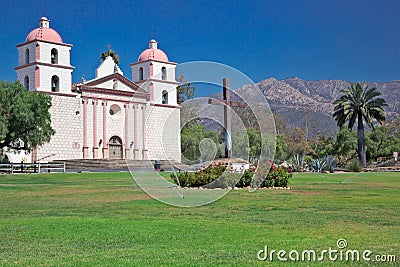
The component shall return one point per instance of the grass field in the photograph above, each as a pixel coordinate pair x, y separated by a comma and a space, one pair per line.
106, 220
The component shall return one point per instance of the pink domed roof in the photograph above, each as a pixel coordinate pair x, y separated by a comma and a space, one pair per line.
44, 33
153, 53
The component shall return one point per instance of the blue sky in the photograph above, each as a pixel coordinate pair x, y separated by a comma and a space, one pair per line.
324, 39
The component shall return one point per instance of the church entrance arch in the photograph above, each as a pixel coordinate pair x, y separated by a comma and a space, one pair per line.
115, 147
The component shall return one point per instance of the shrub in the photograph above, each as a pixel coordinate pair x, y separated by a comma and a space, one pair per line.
216, 177
354, 165
199, 178
246, 178
277, 177
308, 159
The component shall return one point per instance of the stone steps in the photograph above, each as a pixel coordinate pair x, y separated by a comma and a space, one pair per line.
117, 164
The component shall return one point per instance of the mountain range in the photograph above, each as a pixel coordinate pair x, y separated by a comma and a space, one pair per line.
309, 104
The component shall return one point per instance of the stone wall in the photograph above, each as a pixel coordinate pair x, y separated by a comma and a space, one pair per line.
163, 133
66, 120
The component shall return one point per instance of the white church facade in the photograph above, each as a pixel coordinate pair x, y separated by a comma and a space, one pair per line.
109, 116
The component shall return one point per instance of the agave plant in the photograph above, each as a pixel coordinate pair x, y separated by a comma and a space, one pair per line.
298, 163
318, 165
331, 163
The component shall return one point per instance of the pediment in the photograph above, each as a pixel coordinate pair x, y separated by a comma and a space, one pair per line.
115, 82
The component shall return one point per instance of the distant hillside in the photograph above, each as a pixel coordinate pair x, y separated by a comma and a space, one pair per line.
309, 104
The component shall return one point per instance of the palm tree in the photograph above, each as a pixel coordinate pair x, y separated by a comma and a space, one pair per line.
359, 103
110, 53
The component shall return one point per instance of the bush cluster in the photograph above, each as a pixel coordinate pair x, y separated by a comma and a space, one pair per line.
277, 177
354, 165
216, 177
200, 178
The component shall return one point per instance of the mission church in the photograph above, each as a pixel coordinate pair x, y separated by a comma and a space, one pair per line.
109, 116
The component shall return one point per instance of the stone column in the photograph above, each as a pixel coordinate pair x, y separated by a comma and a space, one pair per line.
127, 145
105, 141
37, 52
95, 145
135, 139
151, 92
144, 151
85, 148
37, 78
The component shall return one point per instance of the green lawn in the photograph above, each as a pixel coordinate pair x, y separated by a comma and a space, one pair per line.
106, 220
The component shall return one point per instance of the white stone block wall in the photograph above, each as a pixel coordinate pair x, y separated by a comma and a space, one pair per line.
115, 124
32, 53
162, 125
107, 67
157, 66
63, 53
46, 72
170, 67
163, 133
30, 72
159, 87
66, 120
64, 76
146, 71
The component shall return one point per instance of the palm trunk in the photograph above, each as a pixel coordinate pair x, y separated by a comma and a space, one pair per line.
361, 141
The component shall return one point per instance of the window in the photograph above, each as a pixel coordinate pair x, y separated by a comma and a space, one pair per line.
140, 74
115, 110
55, 84
26, 82
164, 98
27, 56
163, 73
54, 56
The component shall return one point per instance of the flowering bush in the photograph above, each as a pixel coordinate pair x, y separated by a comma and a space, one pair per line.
277, 177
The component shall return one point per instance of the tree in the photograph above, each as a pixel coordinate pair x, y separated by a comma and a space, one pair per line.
193, 144
381, 144
110, 53
297, 143
184, 90
281, 152
393, 127
345, 145
359, 103
323, 146
25, 121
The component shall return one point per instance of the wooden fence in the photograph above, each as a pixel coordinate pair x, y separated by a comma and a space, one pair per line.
36, 167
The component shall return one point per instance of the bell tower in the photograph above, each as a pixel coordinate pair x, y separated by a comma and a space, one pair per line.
156, 74
44, 61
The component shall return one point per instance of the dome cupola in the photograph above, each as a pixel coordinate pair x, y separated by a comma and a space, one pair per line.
44, 33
